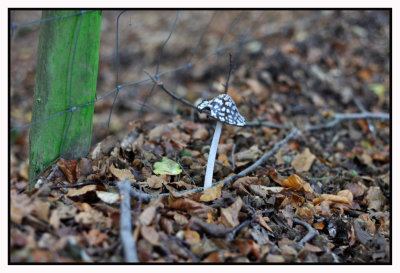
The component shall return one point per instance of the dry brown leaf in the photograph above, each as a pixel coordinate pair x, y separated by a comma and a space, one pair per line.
295, 182
95, 237
275, 176
346, 194
54, 220
224, 160
201, 134
108, 197
180, 219
356, 189
272, 258
81, 191
146, 217
303, 162
229, 216
246, 181
150, 234
68, 167
41, 209
212, 193
335, 198
122, 174
191, 236
155, 181
312, 248
263, 223
19, 207
248, 155
375, 198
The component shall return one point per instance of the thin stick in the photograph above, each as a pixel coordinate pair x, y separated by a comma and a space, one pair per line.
337, 118
161, 85
251, 168
229, 74
311, 231
126, 223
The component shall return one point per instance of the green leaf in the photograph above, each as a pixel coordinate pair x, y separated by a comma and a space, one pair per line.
377, 88
167, 166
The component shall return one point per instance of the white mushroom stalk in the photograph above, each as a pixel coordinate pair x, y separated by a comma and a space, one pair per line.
211, 156
224, 110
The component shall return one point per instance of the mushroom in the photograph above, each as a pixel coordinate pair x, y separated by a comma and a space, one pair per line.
224, 110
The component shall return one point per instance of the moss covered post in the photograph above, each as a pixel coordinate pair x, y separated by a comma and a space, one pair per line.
66, 77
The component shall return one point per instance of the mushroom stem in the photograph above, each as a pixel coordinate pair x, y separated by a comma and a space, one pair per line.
211, 156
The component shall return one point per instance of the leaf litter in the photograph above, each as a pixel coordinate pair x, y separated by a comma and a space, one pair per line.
323, 198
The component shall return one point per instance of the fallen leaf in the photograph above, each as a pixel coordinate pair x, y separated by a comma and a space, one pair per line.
312, 248
375, 198
201, 134
335, 198
295, 182
122, 174
229, 216
180, 219
19, 207
150, 234
275, 176
68, 167
54, 220
108, 197
155, 181
167, 166
72, 192
272, 258
356, 189
224, 160
303, 162
212, 193
248, 155
245, 181
147, 215
95, 237
191, 236
41, 210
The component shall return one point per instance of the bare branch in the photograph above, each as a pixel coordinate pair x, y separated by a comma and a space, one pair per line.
311, 231
337, 118
126, 223
161, 85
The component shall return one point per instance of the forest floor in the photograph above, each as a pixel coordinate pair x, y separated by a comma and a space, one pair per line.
322, 194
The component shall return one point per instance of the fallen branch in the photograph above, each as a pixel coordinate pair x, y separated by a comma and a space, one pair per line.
126, 223
231, 235
337, 118
145, 196
311, 231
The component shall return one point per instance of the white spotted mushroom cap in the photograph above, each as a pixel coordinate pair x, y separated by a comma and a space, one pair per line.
223, 109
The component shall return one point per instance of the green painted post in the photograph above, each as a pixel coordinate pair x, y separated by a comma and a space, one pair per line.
62, 69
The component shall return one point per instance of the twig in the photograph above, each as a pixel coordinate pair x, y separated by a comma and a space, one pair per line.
233, 156
362, 108
231, 234
266, 124
161, 85
229, 74
337, 118
311, 231
86, 183
251, 168
126, 223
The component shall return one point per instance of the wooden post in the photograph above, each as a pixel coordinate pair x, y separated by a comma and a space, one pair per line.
67, 66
